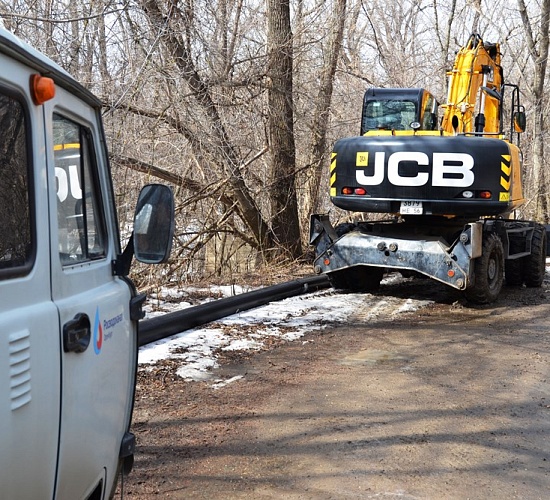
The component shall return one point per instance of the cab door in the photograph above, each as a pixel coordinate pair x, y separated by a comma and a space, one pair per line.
29, 325
98, 338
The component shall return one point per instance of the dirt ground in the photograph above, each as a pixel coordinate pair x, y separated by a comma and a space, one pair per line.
450, 401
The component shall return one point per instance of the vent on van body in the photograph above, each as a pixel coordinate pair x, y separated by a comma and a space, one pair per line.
20, 368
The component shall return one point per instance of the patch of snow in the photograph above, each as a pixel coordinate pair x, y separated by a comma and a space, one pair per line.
199, 370
223, 383
412, 305
289, 319
392, 278
243, 345
291, 336
188, 346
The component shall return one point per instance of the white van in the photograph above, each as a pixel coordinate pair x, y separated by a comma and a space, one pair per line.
68, 312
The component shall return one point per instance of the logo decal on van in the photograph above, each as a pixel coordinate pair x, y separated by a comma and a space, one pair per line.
98, 333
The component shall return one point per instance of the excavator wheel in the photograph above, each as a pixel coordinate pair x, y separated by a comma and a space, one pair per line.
339, 279
357, 279
513, 272
488, 272
535, 264
344, 228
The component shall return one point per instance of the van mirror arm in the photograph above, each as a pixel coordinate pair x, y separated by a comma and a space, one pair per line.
121, 266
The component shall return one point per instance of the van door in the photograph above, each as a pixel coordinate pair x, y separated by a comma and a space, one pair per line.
98, 338
29, 332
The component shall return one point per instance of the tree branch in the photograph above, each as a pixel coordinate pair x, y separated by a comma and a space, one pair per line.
528, 31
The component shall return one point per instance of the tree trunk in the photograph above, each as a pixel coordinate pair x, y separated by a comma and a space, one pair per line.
540, 182
322, 111
284, 206
538, 52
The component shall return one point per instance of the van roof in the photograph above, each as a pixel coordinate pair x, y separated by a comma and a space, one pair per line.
14, 47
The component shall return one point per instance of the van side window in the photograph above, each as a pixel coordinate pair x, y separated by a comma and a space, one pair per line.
17, 236
79, 214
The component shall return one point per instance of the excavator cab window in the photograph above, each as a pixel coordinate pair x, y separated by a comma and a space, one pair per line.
389, 114
429, 113
398, 109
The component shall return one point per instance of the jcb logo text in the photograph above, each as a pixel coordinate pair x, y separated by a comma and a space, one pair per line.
448, 169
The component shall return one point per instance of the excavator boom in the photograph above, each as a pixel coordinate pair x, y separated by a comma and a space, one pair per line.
475, 86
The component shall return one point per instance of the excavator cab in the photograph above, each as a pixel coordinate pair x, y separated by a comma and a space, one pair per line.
398, 109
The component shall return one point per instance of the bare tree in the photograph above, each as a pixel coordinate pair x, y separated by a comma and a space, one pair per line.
170, 19
401, 38
321, 116
284, 203
538, 52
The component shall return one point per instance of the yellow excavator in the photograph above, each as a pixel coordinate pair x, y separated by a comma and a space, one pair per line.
452, 187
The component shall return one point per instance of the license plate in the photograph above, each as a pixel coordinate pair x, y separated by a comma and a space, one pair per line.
411, 207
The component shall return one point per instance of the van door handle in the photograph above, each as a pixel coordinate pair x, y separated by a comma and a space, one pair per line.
77, 334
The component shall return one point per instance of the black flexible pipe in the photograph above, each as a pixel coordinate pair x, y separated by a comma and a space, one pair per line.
160, 327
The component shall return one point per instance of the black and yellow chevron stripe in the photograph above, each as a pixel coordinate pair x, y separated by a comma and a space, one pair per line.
505, 177
333, 174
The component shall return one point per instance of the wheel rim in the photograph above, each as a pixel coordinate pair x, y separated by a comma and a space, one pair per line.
492, 270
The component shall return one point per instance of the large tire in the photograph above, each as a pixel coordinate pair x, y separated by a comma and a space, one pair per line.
513, 272
339, 279
344, 228
535, 264
357, 278
488, 272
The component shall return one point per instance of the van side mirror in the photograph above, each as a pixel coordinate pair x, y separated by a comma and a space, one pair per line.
520, 121
151, 239
154, 224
